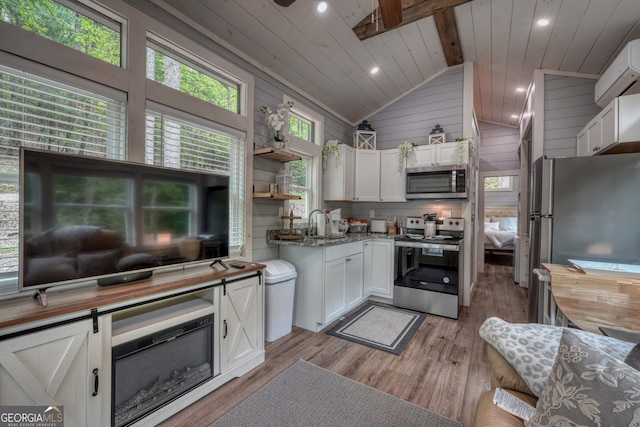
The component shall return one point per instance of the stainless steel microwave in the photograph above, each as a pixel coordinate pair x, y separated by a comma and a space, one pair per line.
436, 182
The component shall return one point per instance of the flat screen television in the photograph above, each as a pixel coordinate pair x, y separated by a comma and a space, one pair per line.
86, 218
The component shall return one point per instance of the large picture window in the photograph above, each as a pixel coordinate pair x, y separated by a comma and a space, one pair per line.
90, 110
44, 114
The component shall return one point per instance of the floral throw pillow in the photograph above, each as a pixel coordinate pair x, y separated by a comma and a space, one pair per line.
587, 387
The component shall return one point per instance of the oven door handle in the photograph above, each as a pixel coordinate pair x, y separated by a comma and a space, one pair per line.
443, 246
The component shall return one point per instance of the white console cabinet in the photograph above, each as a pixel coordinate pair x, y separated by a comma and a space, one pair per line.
64, 357
59, 366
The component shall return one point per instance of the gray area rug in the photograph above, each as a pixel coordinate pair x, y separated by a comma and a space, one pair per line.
307, 395
385, 328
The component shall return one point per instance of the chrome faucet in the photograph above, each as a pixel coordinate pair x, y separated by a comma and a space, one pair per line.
326, 219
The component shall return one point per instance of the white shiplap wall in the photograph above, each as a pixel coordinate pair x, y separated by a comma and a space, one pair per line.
498, 147
412, 117
568, 106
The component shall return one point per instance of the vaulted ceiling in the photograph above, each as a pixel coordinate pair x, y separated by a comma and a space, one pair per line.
321, 56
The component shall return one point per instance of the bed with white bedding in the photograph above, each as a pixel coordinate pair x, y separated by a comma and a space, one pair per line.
500, 231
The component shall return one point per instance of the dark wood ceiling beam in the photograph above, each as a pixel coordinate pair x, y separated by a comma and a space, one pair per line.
391, 12
284, 3
412, 10
448, 32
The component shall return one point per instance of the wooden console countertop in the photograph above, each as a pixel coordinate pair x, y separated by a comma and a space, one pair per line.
591, 301
80, 300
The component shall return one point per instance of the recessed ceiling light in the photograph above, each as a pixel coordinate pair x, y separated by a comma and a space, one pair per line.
322, 6
514, 116
543, 22
520, 89
374, 70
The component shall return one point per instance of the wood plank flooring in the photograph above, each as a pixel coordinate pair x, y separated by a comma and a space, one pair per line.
444, 368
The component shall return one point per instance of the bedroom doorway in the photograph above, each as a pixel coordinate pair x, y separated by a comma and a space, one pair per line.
499, 204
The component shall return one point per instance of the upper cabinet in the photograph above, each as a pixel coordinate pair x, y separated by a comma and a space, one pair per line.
367, 176
391, 177
617, 124
339, 176
448, 153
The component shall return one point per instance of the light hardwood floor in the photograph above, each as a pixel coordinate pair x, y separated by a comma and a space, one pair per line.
444, 368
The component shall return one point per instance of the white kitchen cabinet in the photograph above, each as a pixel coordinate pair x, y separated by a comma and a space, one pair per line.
367, 176
329, 282
59, 366
618, 122
241, 321
391, 177
582, 146
339, 176
439, 155
378, 274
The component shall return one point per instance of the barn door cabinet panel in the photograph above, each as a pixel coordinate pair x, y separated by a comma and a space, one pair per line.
241, 314
60, 366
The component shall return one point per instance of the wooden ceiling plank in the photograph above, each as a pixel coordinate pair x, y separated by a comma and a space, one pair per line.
412, 11
448, 31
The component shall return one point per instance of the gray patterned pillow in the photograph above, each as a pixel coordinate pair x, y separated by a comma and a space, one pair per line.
587, 387
531, 348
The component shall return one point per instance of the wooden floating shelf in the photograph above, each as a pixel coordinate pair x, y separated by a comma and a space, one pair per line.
275, 196
274, 154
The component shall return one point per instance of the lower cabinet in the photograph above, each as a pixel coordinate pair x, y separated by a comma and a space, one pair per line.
241, 315
335, 279
378, 276
58, 366
343, 288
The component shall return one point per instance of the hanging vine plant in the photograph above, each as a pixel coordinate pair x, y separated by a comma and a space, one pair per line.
471, 148
331, 147
404, 151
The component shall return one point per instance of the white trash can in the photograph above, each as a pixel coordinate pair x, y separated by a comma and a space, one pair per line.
280, 279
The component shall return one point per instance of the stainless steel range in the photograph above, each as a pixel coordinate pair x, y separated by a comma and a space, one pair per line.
428, 271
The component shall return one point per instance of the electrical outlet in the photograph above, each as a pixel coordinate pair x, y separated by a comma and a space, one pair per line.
372, 213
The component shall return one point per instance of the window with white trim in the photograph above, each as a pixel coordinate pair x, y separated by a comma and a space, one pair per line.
96, 32
45, 114
179, 143
305, 139
498, 183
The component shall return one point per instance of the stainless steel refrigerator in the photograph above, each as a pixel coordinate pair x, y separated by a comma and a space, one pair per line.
584, 208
